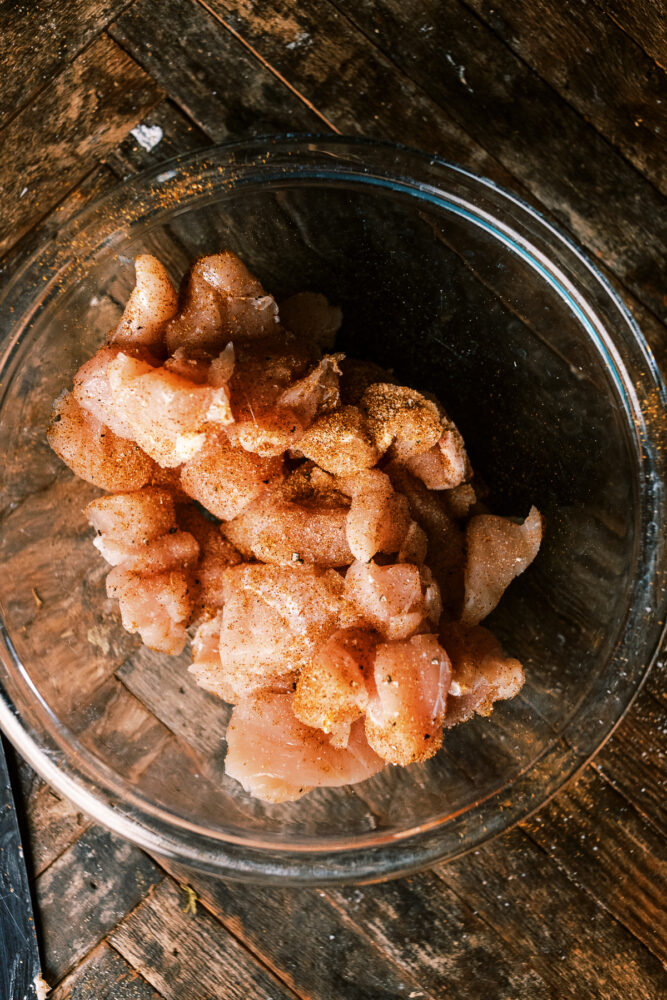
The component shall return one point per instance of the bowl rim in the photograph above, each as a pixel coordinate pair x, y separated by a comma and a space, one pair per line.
383, 855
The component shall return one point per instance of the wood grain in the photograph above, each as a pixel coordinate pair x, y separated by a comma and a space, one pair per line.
210, 73
567, 936
429, 945
518, 118
59, 137
104, 975
314, 48
84, 894
53, 824
595, 66
605, 847
185, 954
635, 762
644, 20
39, 38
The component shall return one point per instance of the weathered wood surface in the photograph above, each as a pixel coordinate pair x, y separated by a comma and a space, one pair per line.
571, 904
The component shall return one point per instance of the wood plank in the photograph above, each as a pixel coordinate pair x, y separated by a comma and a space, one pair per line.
316, 50
564, 934
163, 133
406, 938
595, 66
601, 842
645, 21
634, 759
104, 975
186, 954
545, 144
118, 729
38, 39
57, 139
210, 73
55, 606
53, 824
95, 883
656, 682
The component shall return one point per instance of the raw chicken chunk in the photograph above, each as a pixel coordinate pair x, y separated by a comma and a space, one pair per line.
215, 555
94, 453
332, 689
274, 530
379, 518
405, 714
151, 304
402, 421
390, 599
446, 553
131, 520
310, 316
482, 672
167, 413
92, 390
445, 465
273, 619
221, 300
277, 758
158, 607
226, 479
497, 551
340, 442
264, 369
205, 665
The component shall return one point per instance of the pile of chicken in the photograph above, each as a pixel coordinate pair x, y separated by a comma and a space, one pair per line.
313, 523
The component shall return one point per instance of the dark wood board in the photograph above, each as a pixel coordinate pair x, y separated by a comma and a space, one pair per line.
571, 903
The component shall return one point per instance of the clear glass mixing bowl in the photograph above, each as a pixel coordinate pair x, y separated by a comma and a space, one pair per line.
464, 291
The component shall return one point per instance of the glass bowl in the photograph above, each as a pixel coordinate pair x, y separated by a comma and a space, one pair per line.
464, 291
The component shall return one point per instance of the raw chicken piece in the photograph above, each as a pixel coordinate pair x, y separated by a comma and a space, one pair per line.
205, 664
445, 465
461, 500
221, 300
158, 607
151, 304
414, 546
389, 598
278, 759
131, 519
93, 452
497, 550
310, 316
216, 554
446, 553
404, 717
339, 442
92, 390
226, 479
317, 392
379, 519
176, 550
402, 421
357, 376
482, 672
264, 369
167, 414
272, 620
331, 691
274, 530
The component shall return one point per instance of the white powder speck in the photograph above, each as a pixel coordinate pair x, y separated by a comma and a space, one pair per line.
148, 136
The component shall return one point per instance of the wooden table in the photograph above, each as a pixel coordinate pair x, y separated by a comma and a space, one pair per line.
562, 102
